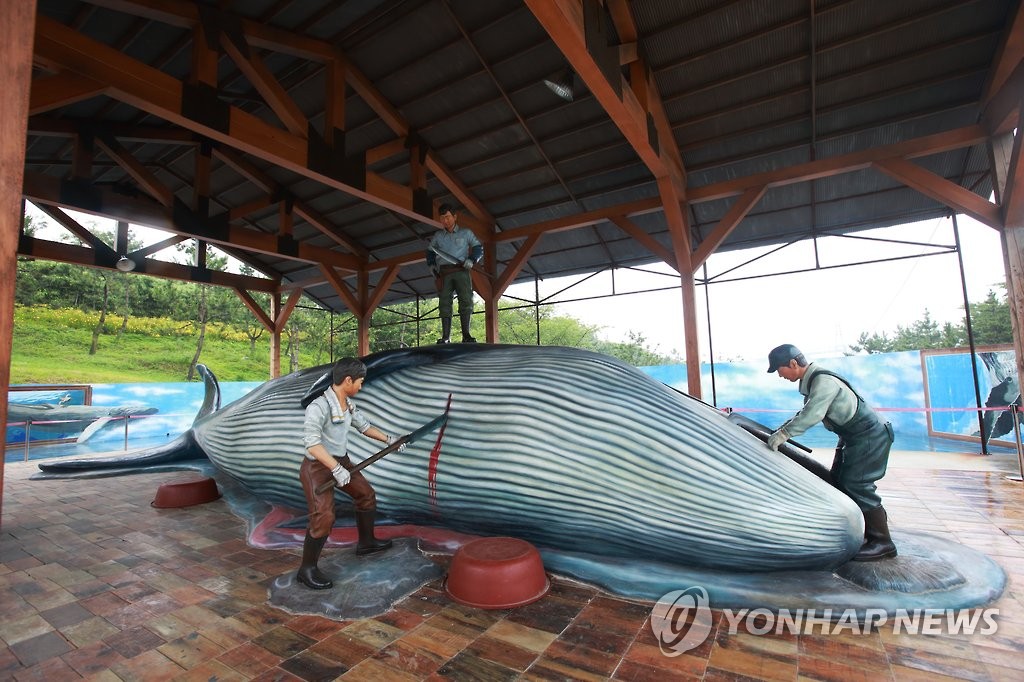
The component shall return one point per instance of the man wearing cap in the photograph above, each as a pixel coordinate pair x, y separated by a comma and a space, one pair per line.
452, 253
864, 440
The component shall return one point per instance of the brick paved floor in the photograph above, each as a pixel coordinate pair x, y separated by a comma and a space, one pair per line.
97, 584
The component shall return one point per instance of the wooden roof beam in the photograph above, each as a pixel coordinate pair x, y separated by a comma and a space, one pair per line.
581, 219
179, 219
1000, 112
270, 186
61, 90
69, 127
649, 242
846, 163
77, 229
260, 77
80, 255
729, 222
255, 308
342, 289
513, 267
577, 28
1012, 195
394, 120
154, 92
1005, 77
287, 309
942, 190
142, 175
564, 21
157, 247
186, 15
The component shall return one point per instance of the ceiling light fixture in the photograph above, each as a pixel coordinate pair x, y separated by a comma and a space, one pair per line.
562, 84
125, 264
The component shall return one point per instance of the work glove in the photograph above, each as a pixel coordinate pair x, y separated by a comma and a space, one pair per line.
435, 271
341, 476
392, 439
777, 438
468, 263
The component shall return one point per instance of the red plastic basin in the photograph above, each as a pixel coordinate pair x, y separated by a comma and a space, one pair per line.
496, 573
186, 493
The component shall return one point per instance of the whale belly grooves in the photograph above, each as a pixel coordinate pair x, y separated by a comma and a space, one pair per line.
541, 444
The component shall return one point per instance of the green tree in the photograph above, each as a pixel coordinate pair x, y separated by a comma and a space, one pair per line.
30, 225
209, 297
990, 320
990, 324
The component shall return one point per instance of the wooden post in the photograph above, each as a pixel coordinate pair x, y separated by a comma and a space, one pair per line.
275, 336
17, 26
1001, 154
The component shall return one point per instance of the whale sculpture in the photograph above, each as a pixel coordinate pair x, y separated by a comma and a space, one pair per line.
565, 448
64, 421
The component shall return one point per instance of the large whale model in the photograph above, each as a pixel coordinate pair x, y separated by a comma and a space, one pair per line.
562, 447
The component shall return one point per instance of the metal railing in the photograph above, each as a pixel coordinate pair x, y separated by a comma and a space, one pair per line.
29, 443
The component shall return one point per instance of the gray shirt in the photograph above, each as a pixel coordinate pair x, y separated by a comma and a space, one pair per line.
828, 397
327, 424
457, 245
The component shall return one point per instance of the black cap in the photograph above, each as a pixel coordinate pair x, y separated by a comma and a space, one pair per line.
781, 355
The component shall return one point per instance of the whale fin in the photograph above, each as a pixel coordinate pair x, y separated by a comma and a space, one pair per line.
318, 387
211, 399
182, 449
91, 430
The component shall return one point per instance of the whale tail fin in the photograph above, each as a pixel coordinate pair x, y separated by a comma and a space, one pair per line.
211, 399
182, 452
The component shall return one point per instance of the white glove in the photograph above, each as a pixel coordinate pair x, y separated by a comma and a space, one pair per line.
777, 438
468, 263
392, 439
341, 476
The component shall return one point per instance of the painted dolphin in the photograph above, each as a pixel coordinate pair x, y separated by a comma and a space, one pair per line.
63, 421
565, 448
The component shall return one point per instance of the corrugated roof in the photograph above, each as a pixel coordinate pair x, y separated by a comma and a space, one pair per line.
748, 87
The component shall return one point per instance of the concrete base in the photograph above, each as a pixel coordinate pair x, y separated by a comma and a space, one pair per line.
931, 572
364, 586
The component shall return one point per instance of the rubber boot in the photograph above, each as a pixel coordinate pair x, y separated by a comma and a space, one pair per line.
464, 319
309, 575
368, 544
446, 330
877, 543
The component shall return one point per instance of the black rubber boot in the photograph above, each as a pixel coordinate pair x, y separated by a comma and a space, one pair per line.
877, 543
309, 575
368, 544
446, 330
464, 319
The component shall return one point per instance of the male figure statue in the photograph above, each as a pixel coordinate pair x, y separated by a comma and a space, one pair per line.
451, 255
864, 440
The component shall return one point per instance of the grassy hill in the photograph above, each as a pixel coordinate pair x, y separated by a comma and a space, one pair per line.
52, 347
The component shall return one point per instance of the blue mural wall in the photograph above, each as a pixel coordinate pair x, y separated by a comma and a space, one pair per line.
892, 382
176, 403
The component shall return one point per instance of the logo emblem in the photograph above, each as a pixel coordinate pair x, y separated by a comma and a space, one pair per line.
681, 620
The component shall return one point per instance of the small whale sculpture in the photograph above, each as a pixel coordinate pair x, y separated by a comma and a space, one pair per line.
64, 421
565, 448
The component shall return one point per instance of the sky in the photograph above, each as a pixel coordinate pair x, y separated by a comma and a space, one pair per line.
823, 312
